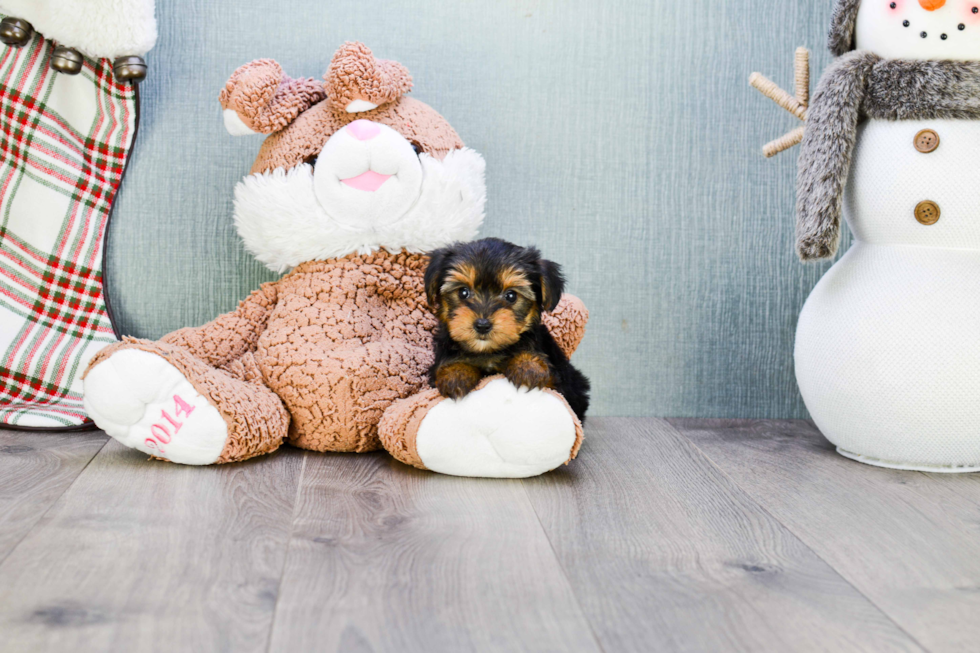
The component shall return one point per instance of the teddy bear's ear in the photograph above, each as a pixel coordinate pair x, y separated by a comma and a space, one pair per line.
260, 98
356, 81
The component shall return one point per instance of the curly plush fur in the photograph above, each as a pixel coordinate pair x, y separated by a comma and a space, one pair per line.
863, 85
355, 74
265, 98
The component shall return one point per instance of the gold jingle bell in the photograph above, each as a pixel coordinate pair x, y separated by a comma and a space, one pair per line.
66, 60
129, 69
15, 32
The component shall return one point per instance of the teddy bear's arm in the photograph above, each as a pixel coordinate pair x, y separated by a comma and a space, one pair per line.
228, 336
567, 323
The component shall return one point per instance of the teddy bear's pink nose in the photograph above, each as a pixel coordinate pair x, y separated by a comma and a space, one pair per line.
364, 130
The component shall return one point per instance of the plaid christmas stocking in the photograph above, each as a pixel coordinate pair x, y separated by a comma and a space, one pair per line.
64, 143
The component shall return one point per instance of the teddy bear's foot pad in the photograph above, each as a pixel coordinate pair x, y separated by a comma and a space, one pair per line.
145, 403
498, 431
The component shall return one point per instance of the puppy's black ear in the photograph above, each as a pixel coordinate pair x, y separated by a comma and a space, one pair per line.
552, 285
434, 274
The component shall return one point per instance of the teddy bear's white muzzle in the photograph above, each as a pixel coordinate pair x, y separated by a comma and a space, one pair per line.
366, 175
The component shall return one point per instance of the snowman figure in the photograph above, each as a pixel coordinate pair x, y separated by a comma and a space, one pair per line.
888, 343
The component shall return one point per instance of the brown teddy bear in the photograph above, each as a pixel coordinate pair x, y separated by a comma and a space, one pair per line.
354, 183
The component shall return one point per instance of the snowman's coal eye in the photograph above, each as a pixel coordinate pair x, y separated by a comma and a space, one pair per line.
961, 27
943, 37
893, 5
905, 23
976, 10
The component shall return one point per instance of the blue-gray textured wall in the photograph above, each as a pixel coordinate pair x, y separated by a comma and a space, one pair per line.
620, 136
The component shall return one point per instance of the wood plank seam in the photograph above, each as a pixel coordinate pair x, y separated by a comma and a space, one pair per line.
564, 573
795, 534
55, 502
663, 552
289, 544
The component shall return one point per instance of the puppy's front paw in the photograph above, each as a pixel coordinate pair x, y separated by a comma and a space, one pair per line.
456, 380
529, 370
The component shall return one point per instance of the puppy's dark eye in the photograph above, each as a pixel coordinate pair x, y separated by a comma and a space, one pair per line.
465, 294
510, 296
417, 148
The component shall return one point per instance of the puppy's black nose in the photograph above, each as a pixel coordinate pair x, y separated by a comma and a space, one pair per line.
483, 326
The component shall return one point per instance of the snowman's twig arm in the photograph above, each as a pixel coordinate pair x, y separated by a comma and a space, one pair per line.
784, 142
796, 105
786, 101
802, 67
825, 157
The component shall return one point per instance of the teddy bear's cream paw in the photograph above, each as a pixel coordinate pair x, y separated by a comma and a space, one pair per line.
498, 431
145, 403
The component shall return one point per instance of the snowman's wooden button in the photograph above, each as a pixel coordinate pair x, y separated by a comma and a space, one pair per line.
926, 141
927, 212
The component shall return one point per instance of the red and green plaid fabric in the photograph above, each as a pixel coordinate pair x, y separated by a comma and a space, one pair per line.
64, 141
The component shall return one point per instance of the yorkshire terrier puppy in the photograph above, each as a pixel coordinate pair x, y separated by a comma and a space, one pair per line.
489, 296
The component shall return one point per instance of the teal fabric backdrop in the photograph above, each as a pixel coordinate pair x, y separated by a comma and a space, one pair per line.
621, 137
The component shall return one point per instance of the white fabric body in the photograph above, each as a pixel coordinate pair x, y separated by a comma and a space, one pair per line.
499, 431
889, 177
141, 400
280, 217
888, 343
882, 30
97, 28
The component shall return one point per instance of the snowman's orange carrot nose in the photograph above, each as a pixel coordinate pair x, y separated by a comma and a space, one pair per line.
932, 5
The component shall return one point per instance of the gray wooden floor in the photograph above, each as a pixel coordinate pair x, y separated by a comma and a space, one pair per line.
663, 536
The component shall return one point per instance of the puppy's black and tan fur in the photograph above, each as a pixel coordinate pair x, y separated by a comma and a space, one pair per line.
489, 296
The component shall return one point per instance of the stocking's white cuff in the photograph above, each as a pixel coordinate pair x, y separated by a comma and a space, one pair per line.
96, 28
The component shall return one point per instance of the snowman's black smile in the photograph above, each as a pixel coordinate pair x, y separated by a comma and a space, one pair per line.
961, 27
944, 36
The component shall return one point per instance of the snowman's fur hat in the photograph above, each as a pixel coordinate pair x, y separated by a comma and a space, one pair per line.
841, 37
